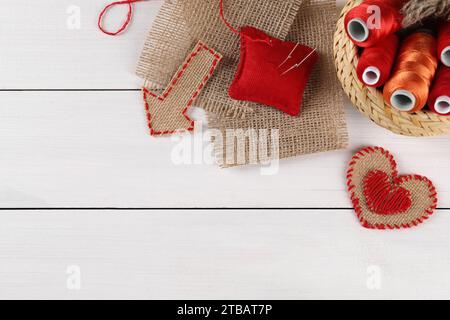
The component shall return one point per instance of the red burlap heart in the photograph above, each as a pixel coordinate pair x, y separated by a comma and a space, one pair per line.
382, 199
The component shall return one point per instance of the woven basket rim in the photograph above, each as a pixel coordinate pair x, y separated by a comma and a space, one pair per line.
370, 101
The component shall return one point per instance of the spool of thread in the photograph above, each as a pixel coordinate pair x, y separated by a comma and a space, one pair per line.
373, 20
409, 87
375, 64
439, 100
444, 43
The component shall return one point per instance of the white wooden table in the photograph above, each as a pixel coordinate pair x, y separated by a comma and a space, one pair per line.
73, 135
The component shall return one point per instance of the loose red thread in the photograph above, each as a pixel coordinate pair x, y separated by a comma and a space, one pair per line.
174, 81
222, 16
266, 39
394, 173
127, 20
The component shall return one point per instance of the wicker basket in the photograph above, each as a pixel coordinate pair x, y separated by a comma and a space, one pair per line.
370, 101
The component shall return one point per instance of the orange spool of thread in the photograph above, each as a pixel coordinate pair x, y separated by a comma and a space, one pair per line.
409, 87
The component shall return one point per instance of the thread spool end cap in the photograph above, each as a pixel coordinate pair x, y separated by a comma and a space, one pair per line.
445, 56
442, 105
371, 75
358, 30
403, 100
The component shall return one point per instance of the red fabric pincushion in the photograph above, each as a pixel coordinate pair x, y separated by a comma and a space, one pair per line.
263, 75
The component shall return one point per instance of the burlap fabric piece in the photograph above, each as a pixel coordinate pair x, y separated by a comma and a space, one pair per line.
422, 192
166, 46
321, 125
167, 112
181, 23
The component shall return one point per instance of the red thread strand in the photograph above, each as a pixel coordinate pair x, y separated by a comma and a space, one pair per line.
439, 100
444, 43
222, 16
127, 20
265, 38
375, 64
370, 27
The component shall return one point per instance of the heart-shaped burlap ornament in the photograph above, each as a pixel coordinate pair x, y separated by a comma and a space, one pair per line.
384, 200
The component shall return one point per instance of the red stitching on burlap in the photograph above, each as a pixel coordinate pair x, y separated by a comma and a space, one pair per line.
166, 92
355, 201
383, 197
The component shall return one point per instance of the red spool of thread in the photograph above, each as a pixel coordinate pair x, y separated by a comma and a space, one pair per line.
373, 20
439, 100
375, 64
444, 43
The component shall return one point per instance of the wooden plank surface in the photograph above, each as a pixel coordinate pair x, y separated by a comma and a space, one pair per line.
92, 149
44, 47
227, 254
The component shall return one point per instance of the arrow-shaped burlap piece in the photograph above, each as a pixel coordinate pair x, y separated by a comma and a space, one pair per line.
166, 113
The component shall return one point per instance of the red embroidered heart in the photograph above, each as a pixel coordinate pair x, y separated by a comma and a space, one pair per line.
384, 200
382, 196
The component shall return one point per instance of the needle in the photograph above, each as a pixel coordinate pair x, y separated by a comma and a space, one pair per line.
300, 63
290, 55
